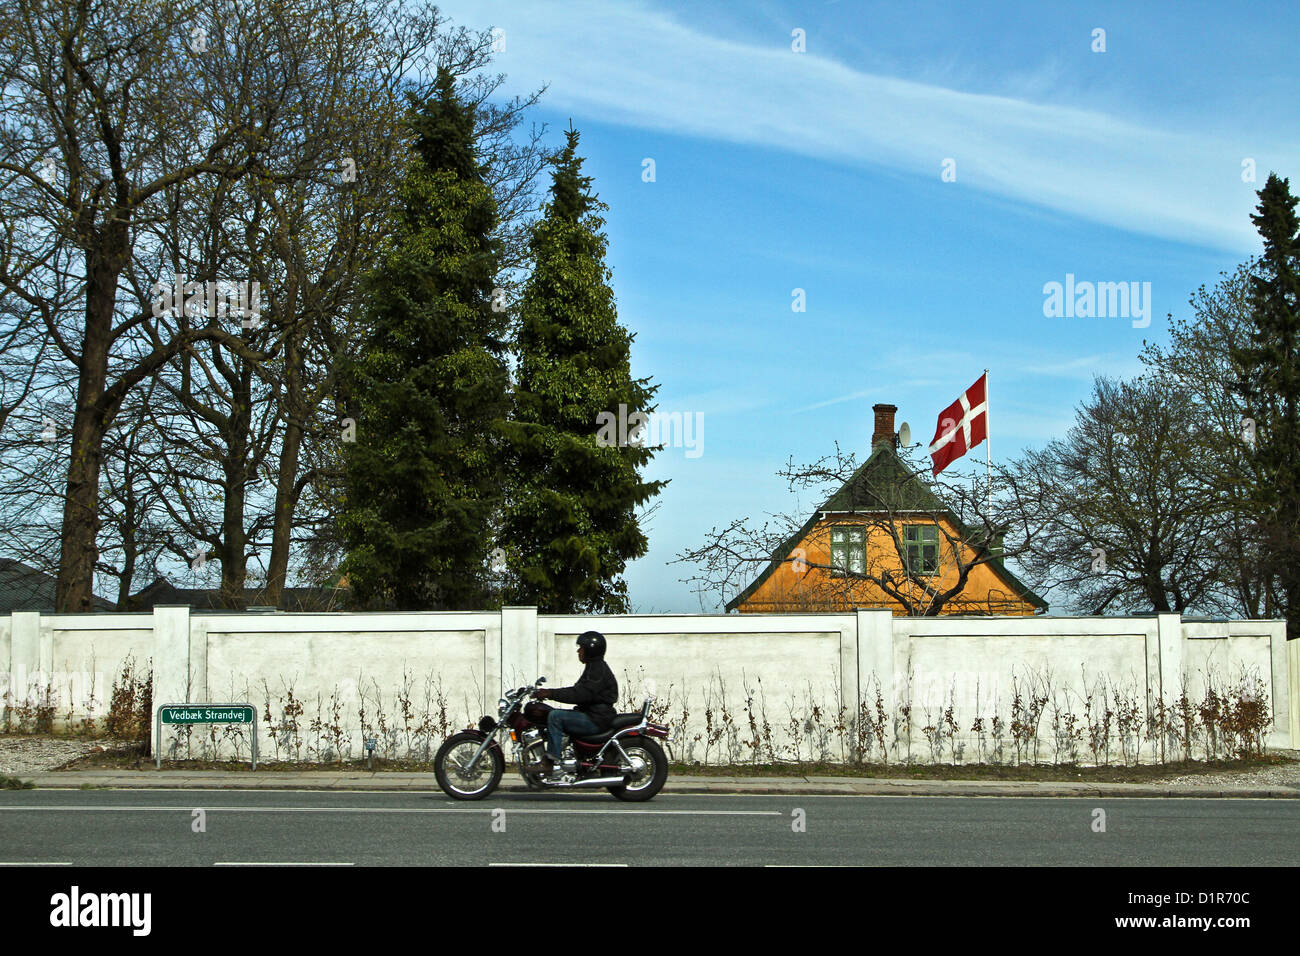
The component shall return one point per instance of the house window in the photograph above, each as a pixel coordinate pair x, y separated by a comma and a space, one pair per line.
848, 550
922, 548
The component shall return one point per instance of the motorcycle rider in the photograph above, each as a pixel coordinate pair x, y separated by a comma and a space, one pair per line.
595, 694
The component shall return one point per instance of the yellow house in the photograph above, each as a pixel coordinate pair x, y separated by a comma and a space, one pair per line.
885, 540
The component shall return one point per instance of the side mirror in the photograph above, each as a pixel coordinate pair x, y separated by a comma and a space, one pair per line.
541, 681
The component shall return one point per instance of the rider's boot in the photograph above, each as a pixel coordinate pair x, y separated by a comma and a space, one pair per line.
552, 768
558, 769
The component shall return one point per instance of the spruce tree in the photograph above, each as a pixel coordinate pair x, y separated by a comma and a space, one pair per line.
1268, 378
430, 384
570, 525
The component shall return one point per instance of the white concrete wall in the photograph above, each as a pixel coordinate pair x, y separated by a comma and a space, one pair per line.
766, 667
735, 687
71, 660
942, 664
1293, 669
351, 673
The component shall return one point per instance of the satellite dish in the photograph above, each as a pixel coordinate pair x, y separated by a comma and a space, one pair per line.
904, 434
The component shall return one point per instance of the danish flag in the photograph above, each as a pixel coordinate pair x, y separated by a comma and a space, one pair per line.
962, 425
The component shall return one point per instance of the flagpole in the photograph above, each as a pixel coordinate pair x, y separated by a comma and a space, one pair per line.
988, 442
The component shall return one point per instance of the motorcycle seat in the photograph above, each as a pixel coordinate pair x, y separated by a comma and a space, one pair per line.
620, 721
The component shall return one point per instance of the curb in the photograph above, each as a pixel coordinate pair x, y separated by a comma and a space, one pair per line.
223, 780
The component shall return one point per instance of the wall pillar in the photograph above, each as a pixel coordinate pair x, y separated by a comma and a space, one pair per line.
6, 665
1291, 673
850, 653
1170, 629
876, 656
171, 659
24, 659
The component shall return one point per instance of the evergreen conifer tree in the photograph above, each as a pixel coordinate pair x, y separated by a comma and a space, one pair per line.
570, 525
1268, 367
430, 384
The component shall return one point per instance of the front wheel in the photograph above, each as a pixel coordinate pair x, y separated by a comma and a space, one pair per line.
452, 759
650, 770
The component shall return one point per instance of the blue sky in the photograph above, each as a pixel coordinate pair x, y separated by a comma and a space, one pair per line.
777, 170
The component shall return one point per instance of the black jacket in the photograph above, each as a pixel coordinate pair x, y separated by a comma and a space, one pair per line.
595, 693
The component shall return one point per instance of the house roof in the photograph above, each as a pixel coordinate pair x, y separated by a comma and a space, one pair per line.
23, 588
163, 591
882, 484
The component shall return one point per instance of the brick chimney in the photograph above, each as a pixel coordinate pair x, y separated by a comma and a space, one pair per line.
884, 426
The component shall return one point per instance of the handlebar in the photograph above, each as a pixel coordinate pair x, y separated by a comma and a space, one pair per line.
524, 691
527, 689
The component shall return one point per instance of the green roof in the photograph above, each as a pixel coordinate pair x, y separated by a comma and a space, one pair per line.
24, 588
883, 483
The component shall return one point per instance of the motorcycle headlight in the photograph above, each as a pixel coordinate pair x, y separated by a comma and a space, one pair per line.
502, 705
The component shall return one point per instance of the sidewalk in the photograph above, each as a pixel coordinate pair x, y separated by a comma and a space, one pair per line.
398, 781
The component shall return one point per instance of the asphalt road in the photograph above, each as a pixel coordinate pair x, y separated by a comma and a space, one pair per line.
345, 828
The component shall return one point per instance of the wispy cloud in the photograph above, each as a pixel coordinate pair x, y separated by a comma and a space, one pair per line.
1007, 360
628, 63
718, 401
1086, 367
837, 400
882, 392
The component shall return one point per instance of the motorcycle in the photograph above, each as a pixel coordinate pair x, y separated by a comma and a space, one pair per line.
625, 759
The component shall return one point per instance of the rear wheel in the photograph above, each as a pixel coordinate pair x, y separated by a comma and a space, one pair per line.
451, 763
650, 770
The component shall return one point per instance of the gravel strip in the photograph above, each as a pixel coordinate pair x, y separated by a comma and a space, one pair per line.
1287, 775
21, 754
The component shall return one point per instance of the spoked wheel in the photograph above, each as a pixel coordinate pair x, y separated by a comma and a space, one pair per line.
451, 763
650, 770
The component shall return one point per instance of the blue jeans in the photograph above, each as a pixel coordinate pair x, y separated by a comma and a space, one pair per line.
571, 722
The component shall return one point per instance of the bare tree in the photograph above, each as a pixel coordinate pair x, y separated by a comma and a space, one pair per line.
107, 105
1127, 518
1198, 359
273, 160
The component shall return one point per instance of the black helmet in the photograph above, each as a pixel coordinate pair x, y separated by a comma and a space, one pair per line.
594, 642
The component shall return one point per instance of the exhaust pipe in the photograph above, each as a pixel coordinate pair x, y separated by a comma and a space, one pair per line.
595, 782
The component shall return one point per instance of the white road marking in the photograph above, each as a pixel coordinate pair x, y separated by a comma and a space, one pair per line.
38, 863
557, 864
485, 809
266, 863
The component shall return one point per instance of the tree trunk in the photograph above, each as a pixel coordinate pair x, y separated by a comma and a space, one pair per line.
130, 550
234, 536
79, 540
286, 479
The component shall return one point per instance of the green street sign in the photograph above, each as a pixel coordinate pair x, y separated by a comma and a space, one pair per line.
203, 714
207, 714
